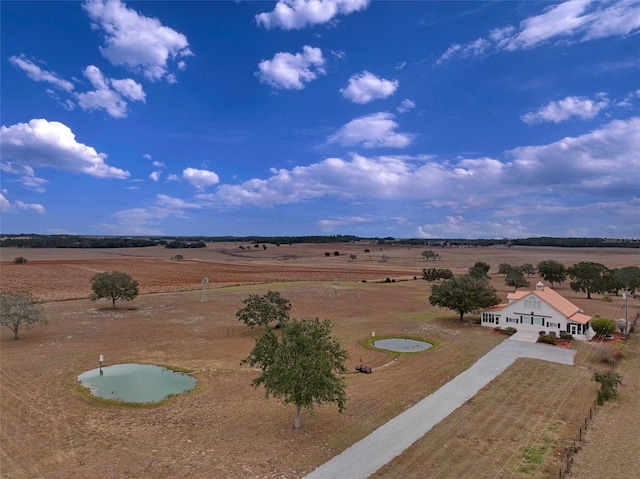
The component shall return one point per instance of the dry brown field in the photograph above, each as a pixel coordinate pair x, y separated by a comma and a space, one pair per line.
50, 427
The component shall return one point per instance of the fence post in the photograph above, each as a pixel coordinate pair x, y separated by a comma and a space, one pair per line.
580, 435
585, 423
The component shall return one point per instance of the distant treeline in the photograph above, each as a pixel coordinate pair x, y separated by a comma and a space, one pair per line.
65, 241
174, 242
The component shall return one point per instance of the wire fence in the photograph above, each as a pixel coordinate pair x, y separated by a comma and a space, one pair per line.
578, 441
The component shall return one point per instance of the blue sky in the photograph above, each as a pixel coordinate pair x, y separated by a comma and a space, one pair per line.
416, 119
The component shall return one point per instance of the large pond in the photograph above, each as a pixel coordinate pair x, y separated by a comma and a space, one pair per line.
137, 383
402, 345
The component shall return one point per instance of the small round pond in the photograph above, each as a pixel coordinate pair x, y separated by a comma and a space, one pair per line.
136, 383
402, 345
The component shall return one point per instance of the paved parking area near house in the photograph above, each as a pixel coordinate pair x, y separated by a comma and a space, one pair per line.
527, 336
388, 441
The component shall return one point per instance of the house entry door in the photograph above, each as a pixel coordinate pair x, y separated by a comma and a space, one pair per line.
574, 329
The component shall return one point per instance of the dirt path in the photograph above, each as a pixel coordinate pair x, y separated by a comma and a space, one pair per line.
388, 441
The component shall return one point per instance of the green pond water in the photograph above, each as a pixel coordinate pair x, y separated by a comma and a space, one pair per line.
137, 383
402, 345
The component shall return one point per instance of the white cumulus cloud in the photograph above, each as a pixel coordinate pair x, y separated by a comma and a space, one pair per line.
51, 144
290, 71
605, 160
366, 87
296, 14
372, 131
7, 207
140, 43
200, 178
108, 93
571, 106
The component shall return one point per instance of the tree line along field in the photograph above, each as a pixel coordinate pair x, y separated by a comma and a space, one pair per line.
50, 428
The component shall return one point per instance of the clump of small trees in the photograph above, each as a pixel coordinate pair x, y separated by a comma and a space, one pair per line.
434, 274
480, 270
430, 254
591, 278
514, 275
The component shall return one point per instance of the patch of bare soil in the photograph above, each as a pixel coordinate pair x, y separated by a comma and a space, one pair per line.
50, 428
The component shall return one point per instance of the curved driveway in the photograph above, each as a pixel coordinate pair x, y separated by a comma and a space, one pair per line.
388, 441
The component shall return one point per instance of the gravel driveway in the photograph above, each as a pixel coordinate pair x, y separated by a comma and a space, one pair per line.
388, 441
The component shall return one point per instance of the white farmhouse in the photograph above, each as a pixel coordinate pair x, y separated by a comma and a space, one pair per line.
540, 310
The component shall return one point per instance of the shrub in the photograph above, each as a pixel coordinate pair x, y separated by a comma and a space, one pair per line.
607, 299
566, 336
388, 280
606, 353
547, 339
20, 260
336, 253
603, 326
609, 382
540, 333
510, 331
327, 254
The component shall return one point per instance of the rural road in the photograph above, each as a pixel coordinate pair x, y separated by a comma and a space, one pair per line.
388, 441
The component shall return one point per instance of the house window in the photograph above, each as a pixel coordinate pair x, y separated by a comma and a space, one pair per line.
532, 303
488, 318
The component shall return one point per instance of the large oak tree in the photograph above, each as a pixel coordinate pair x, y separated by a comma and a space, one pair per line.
552, 271
300, 364
264, 310
464, 294
113, 285
588, 277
